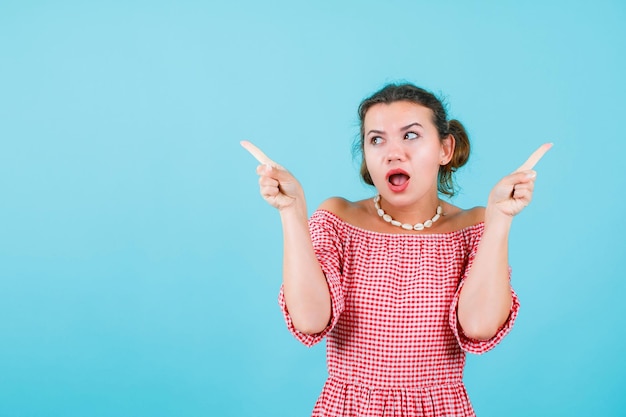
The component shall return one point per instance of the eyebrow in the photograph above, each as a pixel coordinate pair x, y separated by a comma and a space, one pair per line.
411, 125
407, 127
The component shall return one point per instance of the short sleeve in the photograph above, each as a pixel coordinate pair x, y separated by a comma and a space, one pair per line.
328, 245
471, 345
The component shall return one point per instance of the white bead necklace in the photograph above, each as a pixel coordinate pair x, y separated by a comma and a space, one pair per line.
406, 226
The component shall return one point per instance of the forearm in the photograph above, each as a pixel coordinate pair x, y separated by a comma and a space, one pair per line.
304, 285
485, 299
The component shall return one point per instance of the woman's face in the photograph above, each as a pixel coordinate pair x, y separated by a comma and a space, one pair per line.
402, 150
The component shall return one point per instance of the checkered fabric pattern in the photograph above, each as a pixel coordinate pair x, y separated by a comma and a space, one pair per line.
394, 346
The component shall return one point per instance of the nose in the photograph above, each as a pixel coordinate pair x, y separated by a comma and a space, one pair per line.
395, 152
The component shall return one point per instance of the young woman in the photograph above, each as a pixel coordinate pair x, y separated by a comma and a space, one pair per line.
403, 284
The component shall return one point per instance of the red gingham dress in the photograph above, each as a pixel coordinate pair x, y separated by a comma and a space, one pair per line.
394, 346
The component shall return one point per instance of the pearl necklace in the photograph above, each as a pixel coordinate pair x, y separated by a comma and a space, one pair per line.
406, 226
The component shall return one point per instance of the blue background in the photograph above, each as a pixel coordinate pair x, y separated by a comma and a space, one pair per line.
139, 267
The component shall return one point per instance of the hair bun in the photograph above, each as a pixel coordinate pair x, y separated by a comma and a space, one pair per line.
461, 146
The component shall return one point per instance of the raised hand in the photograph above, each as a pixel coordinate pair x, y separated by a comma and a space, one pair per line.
515, 191
278, 187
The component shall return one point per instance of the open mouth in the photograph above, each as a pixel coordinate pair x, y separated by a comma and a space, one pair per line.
398, 179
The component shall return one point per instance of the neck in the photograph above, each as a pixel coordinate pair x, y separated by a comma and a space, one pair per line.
412, 213
409, 225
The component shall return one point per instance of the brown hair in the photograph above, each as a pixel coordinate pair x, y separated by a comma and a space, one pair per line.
408, 92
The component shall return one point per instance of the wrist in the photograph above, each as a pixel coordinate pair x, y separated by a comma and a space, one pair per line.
296, 210
496, 219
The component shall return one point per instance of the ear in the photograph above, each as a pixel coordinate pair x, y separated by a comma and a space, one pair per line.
447, 150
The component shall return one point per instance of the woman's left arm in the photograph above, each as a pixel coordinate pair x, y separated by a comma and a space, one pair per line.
485, 299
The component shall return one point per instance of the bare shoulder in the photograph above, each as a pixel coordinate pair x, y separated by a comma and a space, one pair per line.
458, 218
340, 207
357, 213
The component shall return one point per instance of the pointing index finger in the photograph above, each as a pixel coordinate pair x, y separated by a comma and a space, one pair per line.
257, 153
534, 158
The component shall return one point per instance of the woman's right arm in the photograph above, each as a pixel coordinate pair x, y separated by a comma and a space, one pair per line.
304, 285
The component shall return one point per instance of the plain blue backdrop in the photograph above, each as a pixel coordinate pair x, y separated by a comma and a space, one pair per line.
139, 267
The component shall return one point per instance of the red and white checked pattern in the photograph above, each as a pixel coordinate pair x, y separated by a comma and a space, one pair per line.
394, 347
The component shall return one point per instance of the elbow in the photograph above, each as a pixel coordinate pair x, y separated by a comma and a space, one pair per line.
484, 323
481, 330
310, 325
480, 333
311, 322
312, 318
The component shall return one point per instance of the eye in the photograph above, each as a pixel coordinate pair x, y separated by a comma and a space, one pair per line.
411, 135
375, 140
